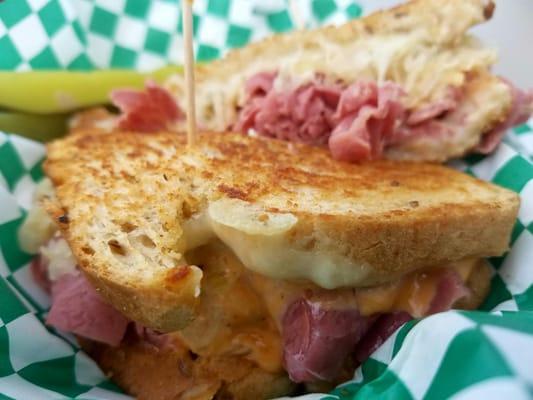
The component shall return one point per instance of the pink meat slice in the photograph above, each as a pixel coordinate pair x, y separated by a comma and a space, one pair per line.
150, 110
382, 328
318, 339
366, 120
301, 114
260, 84
78, 308
449, 289
359, 121
39, 273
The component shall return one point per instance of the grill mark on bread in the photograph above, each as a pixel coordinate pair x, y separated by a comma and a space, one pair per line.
233, 192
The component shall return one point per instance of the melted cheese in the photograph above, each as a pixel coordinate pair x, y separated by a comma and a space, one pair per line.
412, 293
232, 320
258, 238
242, 311
38, 227
60, 259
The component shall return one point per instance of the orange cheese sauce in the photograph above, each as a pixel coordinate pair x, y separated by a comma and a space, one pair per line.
233, 320
241, 311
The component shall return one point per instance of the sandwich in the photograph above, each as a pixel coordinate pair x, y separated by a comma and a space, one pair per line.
409, 83
302, 229
247, 267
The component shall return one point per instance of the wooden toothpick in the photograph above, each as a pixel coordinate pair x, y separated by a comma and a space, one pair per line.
189, 71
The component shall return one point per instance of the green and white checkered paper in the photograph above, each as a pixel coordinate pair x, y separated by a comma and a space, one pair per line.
462, 355
140, 34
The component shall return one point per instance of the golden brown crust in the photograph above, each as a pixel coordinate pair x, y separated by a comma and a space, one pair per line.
126, 196
441, 20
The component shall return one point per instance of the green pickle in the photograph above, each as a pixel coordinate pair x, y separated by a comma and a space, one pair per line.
50, 92
34, 126
38, 104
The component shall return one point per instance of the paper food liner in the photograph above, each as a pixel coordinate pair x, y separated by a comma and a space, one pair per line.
486, 354
143, 35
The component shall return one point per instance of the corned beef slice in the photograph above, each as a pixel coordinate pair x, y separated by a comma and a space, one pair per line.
366, 120
39, 273
382, 328
449, 289
317, 339
302, 114
146, 111
357, 121
78, 308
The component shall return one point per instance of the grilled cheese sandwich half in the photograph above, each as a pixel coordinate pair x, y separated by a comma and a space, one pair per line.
238, 251
131, 205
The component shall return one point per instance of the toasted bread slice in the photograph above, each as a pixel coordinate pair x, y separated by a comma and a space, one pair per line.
422, 45
148, 372
131, 204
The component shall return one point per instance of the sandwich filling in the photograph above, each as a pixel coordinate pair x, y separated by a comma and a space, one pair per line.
310, 332
359, 121
362, 120
313, 333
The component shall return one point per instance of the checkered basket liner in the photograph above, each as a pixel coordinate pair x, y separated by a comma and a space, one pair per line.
139, 34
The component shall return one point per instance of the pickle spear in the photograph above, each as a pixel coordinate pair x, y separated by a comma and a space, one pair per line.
50, 92
34, 126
